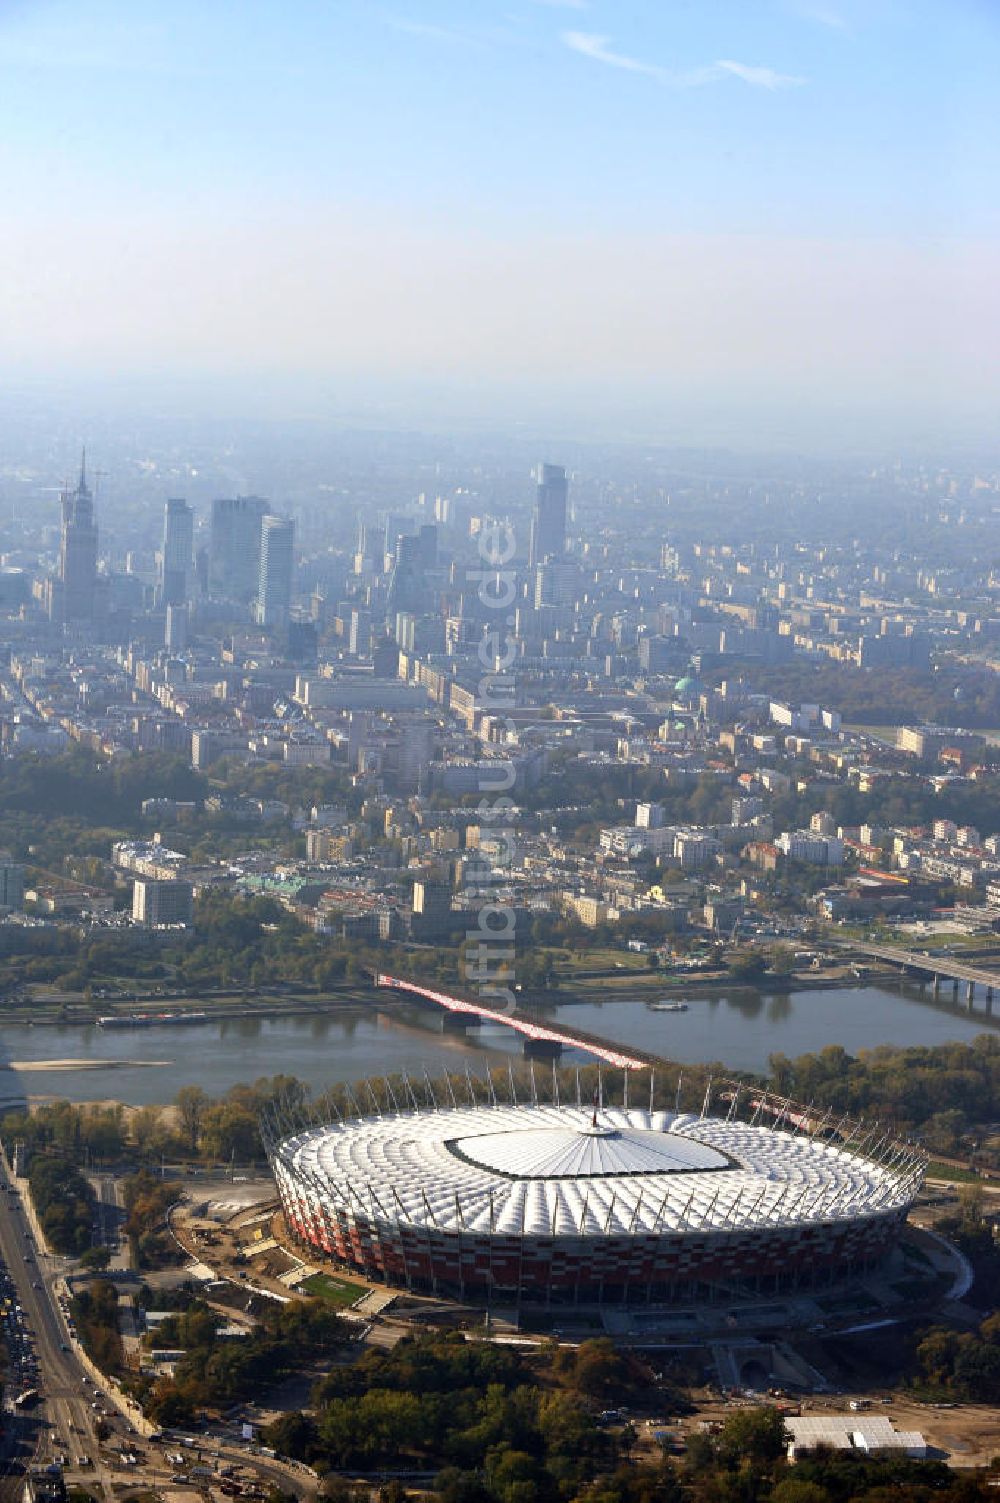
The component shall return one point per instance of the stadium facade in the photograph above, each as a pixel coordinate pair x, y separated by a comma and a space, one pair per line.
555, 1203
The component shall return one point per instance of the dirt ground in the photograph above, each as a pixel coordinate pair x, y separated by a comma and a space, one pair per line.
966, 1436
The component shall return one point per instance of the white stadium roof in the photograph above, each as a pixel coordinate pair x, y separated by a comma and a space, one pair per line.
547, 1170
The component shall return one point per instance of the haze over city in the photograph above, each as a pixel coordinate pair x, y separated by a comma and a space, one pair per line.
767, 224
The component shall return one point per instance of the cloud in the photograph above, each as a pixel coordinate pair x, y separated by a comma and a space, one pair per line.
589, 44
425, 29
593, 45
759, 78
823, 15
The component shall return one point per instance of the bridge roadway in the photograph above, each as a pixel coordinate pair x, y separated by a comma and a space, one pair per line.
933, 965
538, 1037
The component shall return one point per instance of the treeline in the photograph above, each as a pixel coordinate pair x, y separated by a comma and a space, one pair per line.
903, 801
95, 1312
898, 696
500, 1426
483, 1412
941, 1092
298, 787
63, 1201
95, 1133
74, 805
147, 1201
963, 1364
219, 1370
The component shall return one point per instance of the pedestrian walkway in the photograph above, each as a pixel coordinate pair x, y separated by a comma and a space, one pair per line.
375, 1302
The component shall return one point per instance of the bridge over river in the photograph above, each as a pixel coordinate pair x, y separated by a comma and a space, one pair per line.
539, 1038
934, 967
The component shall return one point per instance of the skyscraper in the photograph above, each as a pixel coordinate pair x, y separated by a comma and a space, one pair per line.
178, 553
274, 588
234, 547
548, 522
11, 883
73, 601
175, 634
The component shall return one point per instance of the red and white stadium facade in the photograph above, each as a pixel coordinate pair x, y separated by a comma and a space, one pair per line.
557, 1203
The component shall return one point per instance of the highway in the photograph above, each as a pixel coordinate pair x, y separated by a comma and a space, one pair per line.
931, 963
71, 1404
67, 1395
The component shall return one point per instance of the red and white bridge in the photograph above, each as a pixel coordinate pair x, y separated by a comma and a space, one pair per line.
535, 1032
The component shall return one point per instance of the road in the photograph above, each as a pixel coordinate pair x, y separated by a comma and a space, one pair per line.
66, 1408
932, 963
71, 1403
109, 1215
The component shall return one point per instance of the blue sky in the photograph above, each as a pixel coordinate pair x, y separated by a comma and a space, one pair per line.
504, 190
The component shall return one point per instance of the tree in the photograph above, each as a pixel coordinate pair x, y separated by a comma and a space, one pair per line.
599, 1370
147, 1129
747, 966
797, 1490
230, 1129
756, 1436
191, 1103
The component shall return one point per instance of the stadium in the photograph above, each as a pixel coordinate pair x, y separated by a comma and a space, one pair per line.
557, 1203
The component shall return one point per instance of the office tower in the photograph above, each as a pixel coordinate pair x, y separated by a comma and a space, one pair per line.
303, 642
274, 589
548, 522
407, 589
555, 584
428, 536
159, 903
73, 601
359, 638
175, 637
234, 547
11, 883
178, 553
432, 912
385, 657
369, 552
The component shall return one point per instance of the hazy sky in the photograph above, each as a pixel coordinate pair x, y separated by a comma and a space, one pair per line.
730, 213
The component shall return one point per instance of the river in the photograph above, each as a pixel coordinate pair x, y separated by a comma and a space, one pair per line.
739, 1029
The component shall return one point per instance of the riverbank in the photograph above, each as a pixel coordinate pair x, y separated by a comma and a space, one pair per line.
362, 998
737, 1027
26, 1066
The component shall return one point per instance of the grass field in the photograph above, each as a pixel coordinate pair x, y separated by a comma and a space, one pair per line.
600, 959
937, 1170
336, 1292
888, 732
